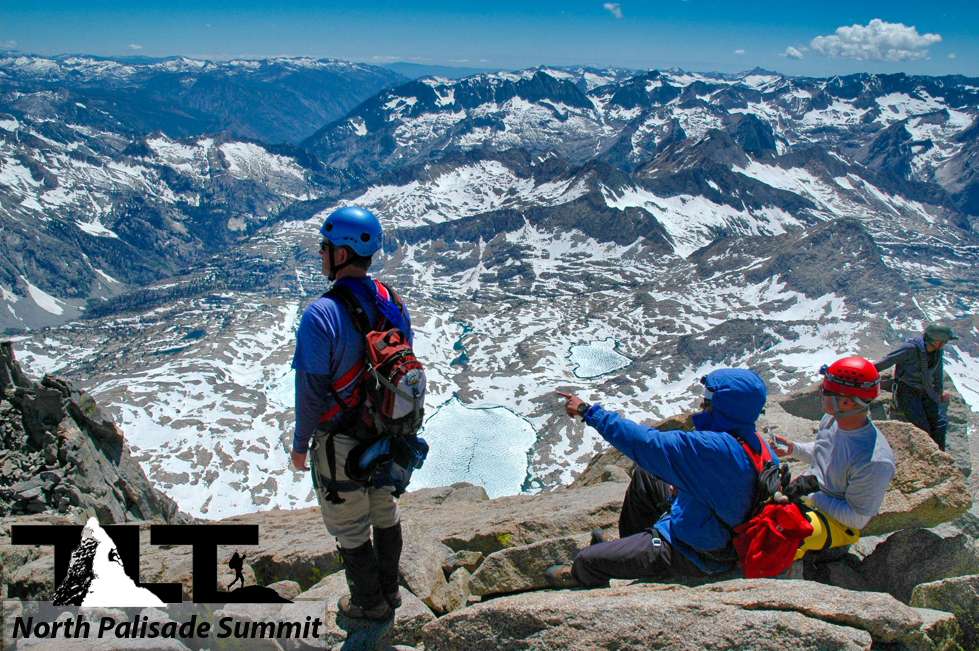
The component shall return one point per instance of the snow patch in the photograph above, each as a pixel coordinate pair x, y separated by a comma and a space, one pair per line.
44, 300
96, 229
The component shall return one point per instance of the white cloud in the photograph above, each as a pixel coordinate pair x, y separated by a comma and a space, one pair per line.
952, 55
739, 53
877, 41
613, 8
135, 48
792, 53
8, 45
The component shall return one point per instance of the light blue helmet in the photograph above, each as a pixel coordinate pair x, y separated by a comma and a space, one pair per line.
354, 227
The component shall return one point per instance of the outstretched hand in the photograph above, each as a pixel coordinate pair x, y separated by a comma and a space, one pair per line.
783, 447
571, 407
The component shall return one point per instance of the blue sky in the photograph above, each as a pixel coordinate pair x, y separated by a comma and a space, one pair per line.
812, 38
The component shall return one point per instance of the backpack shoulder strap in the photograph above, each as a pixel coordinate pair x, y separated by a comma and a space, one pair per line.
757, 460
386, 292
347, 298
758, 463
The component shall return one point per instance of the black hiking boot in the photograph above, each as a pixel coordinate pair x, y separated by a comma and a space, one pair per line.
379, 613
387, 546
597, 536
393, 599
559, 576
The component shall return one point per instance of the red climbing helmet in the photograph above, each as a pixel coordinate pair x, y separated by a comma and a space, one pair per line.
852, 376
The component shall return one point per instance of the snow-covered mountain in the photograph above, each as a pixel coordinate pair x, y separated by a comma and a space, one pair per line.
510, 262
87, 214
273, 100
917, 128
664, 225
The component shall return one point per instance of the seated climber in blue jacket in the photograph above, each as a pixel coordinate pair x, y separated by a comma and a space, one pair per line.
667, 528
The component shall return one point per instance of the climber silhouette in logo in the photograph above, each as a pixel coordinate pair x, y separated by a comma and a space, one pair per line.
237, 563
114, 556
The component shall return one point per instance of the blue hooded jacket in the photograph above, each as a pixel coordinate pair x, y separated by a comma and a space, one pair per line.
708, 466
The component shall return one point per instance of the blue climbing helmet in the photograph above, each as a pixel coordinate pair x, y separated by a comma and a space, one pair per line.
354, 227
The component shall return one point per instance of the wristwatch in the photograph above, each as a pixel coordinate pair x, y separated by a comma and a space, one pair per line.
582, 408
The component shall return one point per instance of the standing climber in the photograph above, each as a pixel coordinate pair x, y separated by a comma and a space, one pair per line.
919, 380
329, 363
237, 563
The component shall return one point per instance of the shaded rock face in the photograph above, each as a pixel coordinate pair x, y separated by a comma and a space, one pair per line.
62, 454
958, 595
916, 556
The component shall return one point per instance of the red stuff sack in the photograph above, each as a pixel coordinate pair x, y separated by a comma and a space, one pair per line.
767, 542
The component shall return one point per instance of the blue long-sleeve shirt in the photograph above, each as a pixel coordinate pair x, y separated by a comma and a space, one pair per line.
710, 470
328, 345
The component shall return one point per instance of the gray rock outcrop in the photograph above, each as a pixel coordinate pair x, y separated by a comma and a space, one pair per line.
959, 595
911, 557
522, 568
61, 454
731, 615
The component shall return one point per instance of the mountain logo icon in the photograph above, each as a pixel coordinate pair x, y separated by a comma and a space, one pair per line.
97, 576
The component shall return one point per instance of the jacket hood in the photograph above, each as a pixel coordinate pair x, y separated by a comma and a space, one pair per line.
738, 399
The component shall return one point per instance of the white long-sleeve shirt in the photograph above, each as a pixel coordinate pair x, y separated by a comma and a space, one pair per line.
854, 468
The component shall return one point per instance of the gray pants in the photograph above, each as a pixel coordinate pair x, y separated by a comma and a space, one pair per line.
350, 522
639, 553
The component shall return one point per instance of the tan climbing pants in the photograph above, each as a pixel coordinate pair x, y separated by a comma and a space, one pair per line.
350, 523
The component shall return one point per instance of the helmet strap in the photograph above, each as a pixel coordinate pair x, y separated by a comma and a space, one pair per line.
837, 414
334, 267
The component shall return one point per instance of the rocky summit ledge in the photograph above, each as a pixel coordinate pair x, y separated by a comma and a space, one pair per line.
472, 568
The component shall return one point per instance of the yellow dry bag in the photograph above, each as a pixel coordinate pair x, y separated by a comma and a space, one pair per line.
826, 533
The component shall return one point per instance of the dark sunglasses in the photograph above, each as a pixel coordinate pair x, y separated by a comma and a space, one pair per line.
324, 245
827, 392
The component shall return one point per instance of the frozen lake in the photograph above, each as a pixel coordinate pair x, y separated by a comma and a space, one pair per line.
484, 446
597, 358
